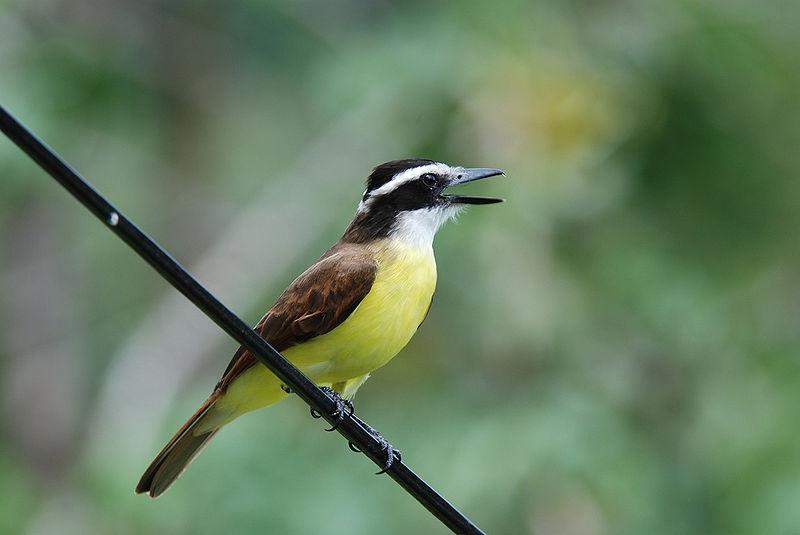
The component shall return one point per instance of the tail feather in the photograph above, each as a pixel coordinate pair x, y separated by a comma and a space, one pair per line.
182, 448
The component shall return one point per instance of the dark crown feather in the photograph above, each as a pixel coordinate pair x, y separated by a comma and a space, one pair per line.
385, 171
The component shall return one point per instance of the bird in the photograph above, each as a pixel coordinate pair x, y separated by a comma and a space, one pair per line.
349, 313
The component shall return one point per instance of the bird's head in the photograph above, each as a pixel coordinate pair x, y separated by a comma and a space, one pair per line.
406, 199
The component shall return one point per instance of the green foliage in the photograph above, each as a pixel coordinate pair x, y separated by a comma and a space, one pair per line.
614, 350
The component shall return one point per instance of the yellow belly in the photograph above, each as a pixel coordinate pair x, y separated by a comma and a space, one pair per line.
380, 326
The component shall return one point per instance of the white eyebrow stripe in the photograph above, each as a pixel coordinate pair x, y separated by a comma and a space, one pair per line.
408, 175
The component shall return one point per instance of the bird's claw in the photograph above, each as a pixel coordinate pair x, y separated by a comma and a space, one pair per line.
343, 407
390, 454
386, 447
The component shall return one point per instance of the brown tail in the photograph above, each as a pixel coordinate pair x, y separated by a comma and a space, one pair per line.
178, 453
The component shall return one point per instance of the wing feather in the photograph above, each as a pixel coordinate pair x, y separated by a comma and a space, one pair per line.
319, 300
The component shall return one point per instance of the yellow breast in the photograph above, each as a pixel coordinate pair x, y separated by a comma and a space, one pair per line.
382, 324
379, 327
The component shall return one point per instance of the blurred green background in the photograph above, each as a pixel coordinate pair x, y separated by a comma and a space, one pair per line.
612, 351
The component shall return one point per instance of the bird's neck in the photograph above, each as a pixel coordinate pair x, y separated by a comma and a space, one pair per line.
368, 227
414, 229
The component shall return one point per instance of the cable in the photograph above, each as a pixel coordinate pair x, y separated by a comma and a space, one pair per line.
351, 427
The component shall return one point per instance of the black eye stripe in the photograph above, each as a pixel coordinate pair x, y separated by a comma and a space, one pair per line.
408, 196
381, 211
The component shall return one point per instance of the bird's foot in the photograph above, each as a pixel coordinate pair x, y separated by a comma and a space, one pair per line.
343, 407
286, 389
386, 447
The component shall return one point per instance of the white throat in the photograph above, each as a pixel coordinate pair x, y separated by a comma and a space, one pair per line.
417, 228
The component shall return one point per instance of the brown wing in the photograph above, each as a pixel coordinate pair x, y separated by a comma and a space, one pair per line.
315, 303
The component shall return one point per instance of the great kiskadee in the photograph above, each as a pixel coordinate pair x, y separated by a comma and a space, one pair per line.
349, 313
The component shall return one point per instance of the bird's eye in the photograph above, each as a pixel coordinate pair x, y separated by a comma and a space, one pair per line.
429, 180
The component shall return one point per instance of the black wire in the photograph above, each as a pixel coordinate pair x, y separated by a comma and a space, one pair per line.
350, 427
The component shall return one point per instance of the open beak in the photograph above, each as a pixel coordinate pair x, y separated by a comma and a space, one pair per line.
470, 175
